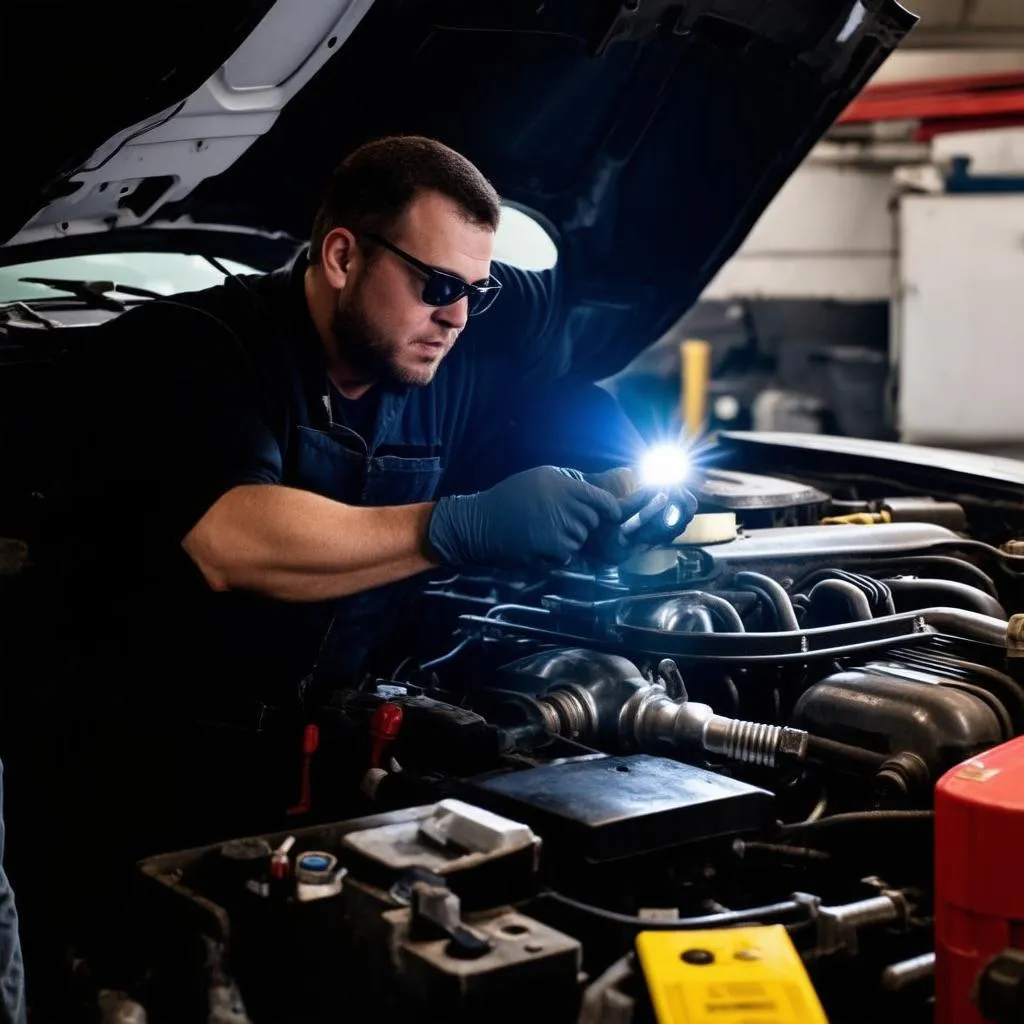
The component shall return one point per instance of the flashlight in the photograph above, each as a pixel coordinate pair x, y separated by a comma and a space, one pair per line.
664, 465
668, 514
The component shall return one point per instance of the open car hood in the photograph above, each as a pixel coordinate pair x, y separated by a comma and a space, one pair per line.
649, 135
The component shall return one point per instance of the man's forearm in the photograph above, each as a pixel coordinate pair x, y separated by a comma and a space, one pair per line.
297, 546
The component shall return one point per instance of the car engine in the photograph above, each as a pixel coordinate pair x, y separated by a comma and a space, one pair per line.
728, 742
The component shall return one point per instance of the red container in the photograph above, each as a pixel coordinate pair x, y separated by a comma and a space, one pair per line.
979, 873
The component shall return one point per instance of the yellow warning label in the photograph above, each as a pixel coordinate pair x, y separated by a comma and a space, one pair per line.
727, 976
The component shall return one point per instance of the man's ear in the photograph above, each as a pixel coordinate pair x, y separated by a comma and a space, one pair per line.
338, 256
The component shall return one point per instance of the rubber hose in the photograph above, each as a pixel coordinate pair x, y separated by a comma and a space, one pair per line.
950, 593
856, 601
774, 593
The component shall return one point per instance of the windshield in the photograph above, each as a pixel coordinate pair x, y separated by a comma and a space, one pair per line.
163, 272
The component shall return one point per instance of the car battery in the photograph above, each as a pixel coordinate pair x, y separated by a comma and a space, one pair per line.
979, 886
405, 915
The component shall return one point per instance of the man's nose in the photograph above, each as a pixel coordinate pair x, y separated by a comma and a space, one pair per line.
455, 315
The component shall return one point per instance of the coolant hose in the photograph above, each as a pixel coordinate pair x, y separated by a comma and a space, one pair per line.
857, 606
951, 593
774, 594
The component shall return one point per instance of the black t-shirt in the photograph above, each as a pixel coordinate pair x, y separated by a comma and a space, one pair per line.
358, 414
198, 398
190, 397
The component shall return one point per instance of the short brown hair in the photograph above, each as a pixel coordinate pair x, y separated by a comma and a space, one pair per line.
374, 185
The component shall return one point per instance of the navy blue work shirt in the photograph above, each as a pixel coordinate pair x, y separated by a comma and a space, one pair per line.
206, 391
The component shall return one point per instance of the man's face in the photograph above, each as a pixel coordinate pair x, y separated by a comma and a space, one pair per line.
381, 324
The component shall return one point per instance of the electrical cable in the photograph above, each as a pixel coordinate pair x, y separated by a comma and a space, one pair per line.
857, 818
785, 908
830, 751
450, 656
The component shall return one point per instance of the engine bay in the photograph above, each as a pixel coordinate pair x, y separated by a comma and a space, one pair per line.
733, 737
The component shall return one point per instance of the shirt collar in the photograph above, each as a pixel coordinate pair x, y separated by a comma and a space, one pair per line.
311, 353
294, 274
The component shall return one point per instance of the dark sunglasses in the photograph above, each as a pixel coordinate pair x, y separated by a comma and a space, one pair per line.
443, 289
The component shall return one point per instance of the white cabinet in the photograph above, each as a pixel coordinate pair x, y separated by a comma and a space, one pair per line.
959, 319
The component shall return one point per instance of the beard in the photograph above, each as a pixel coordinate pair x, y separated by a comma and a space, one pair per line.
369, 351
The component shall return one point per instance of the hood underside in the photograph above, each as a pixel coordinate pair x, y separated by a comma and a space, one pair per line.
880, 467
648, 135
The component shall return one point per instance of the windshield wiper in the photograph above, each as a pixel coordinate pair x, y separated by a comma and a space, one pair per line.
95, 293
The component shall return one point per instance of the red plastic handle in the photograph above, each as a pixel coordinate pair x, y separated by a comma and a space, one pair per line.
310, 743
384, 727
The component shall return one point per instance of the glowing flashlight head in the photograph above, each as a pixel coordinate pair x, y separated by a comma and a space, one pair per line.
664, 465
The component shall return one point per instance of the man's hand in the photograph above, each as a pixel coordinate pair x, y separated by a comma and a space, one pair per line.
541, 515
608, 544
620, 482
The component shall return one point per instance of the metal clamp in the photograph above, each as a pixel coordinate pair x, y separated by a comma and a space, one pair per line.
837, 927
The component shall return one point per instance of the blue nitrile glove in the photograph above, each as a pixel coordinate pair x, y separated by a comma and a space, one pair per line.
608, 545
620, 482
540, 515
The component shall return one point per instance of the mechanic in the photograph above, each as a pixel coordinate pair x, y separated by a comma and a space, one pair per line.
312, 437
13, 1008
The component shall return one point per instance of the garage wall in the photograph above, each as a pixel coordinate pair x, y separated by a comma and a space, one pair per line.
907, 65
848, 235
829, 234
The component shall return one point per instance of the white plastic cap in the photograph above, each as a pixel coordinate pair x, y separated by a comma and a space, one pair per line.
472, 828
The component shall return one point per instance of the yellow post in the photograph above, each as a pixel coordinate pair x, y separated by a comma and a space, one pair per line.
695, 366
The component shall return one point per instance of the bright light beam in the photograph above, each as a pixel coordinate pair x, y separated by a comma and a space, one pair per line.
664, 465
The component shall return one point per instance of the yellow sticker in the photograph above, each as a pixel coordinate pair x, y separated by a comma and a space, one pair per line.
727, 975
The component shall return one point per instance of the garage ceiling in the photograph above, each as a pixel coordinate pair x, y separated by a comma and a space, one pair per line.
967, 23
